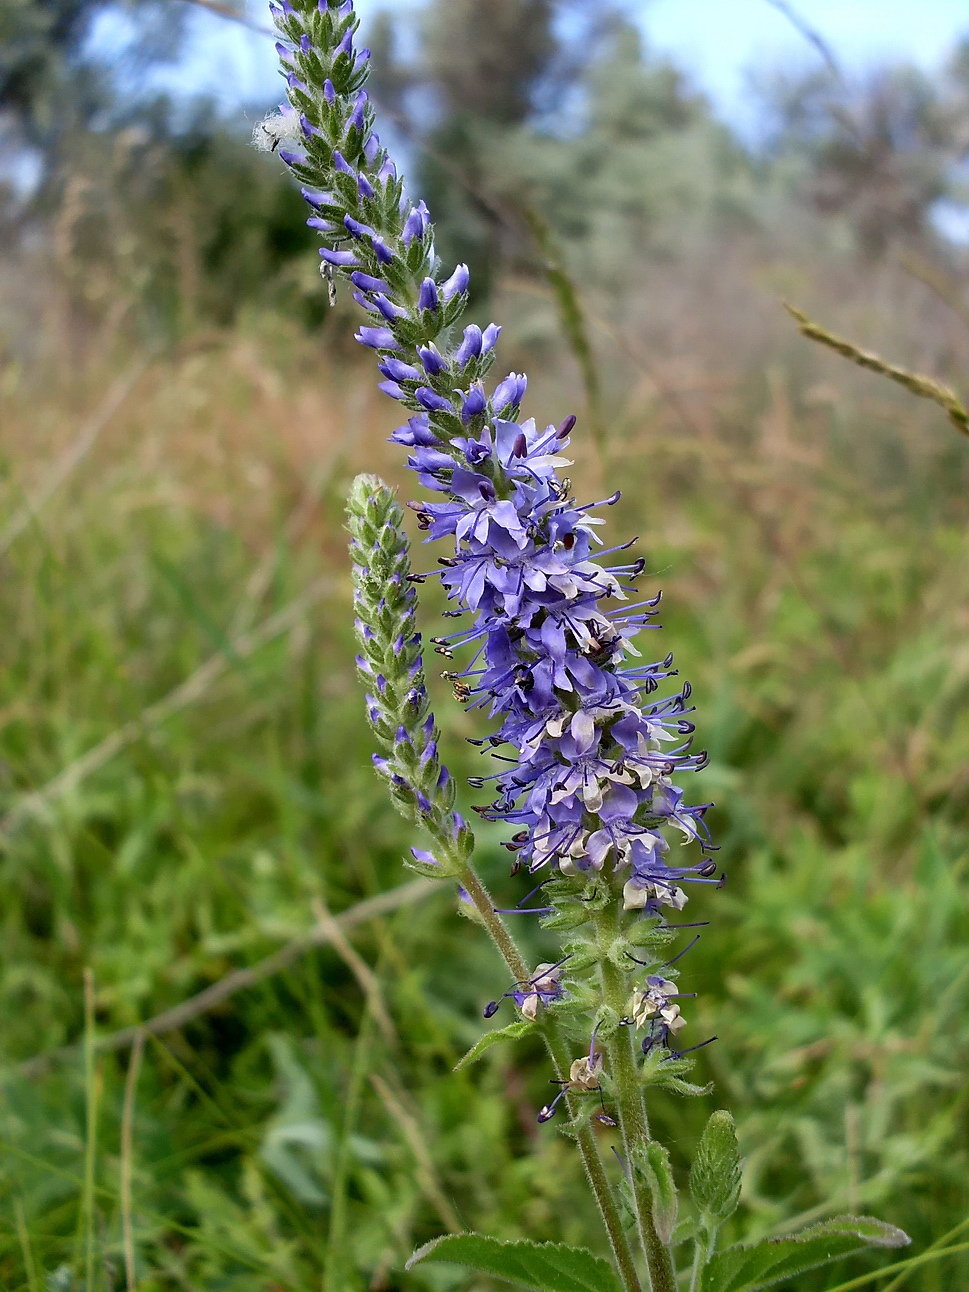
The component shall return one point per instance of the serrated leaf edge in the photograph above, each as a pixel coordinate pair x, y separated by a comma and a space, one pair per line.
513, 1032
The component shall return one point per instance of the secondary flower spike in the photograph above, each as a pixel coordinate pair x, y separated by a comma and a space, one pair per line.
591, 749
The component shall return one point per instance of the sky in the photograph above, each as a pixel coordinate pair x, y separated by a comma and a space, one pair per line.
719, 43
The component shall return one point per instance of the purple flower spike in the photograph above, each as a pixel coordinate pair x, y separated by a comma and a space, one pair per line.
432, 401
379, 338
284, 52
340, 162
388, 170
371, 148
428, 297
458, 282
329, 92
304, 43
470, 347
364, 186
392, 389
346, 44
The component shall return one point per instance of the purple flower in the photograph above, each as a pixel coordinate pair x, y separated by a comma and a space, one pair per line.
379, 338
398, 371
431, 359
509, 393
428, 297
342, 259
458, 282
470, 346
432, 401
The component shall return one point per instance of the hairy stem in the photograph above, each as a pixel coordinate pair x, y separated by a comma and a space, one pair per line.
560, 1056
630, 1105
703, 1250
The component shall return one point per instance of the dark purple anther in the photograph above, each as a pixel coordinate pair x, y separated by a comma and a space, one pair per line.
520, 446
565, 426
491, 1009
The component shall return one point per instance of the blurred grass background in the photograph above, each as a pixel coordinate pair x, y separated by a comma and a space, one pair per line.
185, 785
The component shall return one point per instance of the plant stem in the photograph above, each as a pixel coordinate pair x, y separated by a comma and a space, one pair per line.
559, 1054
703, 1250
631, 1107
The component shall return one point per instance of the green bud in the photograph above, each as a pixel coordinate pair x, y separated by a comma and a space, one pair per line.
390, 665
715, 1173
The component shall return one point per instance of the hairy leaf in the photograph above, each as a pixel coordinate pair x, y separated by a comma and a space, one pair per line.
763, 1264
545, 1267
510, 1033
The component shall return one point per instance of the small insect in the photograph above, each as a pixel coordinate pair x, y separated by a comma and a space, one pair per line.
274, 130
330, 279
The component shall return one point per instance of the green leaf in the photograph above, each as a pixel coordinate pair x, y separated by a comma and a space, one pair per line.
545, 1267
510, 1033
654, 1161
715, 1173
746, 1269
